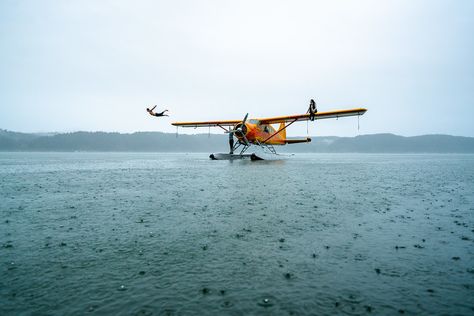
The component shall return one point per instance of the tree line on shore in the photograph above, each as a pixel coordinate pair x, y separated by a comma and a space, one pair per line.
170, 142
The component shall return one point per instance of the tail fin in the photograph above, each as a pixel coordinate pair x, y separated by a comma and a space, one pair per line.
283, 130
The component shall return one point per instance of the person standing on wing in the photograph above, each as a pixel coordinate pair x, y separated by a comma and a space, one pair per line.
150, 111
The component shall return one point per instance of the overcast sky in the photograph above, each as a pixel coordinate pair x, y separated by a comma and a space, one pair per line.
96, 65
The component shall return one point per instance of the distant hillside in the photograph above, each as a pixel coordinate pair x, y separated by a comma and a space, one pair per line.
167, 142
389, 143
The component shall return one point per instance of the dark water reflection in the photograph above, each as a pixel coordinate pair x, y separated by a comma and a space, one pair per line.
177, 234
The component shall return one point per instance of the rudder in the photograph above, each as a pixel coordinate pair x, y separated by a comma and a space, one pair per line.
282, 133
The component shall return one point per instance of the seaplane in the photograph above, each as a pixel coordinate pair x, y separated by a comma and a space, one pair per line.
260, 133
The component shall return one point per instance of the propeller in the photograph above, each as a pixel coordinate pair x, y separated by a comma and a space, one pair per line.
240, 129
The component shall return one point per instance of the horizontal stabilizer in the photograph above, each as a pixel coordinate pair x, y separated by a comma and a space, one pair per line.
296, 141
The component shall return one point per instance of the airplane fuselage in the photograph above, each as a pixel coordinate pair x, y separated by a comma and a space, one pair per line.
262, 133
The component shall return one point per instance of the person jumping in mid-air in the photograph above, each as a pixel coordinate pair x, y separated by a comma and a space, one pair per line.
150, 111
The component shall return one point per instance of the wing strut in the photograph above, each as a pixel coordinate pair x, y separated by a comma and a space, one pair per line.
225, 129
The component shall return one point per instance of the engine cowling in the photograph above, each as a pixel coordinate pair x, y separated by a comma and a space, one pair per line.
241, 130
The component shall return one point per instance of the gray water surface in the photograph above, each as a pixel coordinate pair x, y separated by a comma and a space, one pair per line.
179, 234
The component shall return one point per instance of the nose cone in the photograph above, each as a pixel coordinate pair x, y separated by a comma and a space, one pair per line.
241, 130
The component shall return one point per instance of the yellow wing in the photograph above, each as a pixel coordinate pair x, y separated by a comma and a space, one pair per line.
278, 119
317, 116
207, 123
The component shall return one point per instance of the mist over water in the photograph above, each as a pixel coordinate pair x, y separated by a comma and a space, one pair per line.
179, 234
